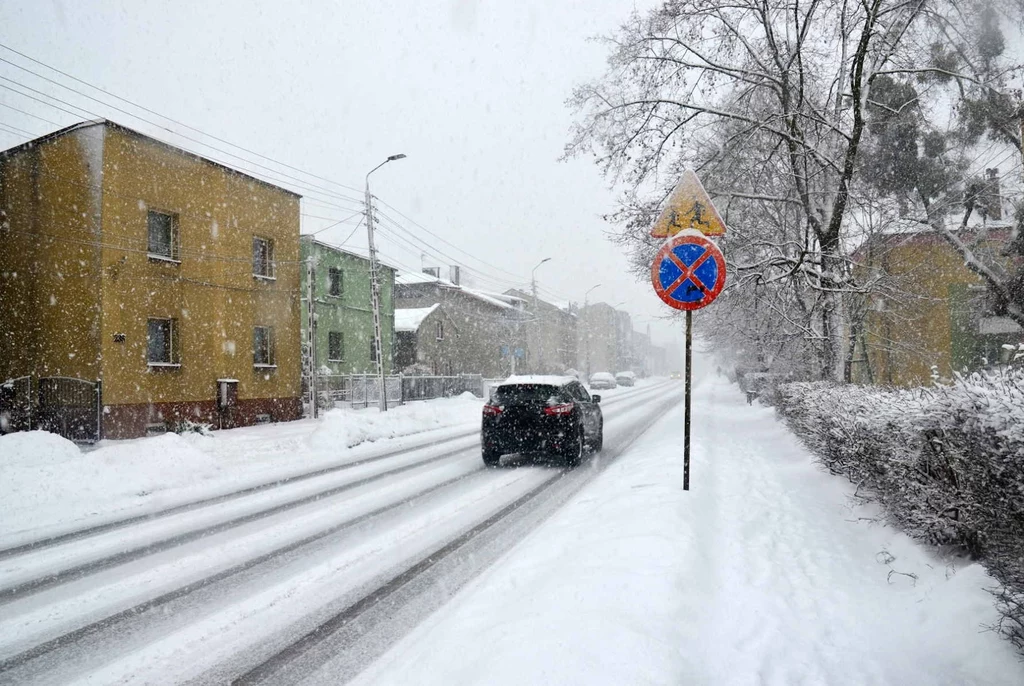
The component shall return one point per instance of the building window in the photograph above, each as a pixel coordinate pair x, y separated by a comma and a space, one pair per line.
163, 235
162, 343
440, 331
337, 282
263, 346
335, 346
262, 257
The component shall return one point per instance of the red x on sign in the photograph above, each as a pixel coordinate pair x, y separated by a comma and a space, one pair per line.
688, 271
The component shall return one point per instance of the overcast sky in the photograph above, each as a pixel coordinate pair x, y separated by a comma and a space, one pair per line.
473, 92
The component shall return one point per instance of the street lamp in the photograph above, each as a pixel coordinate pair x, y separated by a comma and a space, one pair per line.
586, 335
375, 285
533, 287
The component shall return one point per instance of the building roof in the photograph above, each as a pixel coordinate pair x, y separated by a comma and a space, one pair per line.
411, 318
497, 300
112, 124
929, 237
327, 246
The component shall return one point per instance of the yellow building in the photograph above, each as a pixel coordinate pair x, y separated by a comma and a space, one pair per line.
937, 315
169, 278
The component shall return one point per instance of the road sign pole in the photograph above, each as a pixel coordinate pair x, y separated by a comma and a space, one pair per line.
686, 401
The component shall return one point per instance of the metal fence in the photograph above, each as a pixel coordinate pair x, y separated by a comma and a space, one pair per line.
63, 405
362, 390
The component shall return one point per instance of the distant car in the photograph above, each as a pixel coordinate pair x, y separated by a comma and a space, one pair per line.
625, 379
600, 380
541, 414
573, 373
676, 375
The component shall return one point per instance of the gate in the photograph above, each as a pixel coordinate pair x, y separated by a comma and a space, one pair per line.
16, 404
69, 407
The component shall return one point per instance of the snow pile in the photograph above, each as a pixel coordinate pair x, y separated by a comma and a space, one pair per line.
345, 428
946, 461
43, 474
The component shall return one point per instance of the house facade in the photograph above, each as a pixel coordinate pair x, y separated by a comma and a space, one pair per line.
942, 319
171, 280
344, 335
429, 341
550, 334
603, 339
491, 331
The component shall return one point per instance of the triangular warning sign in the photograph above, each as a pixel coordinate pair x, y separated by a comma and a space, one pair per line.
689, 207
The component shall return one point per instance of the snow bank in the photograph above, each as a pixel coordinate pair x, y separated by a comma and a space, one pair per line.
48, 485
348, 428
947, 462
44, 477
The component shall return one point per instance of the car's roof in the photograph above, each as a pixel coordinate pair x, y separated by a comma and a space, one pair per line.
538, 379
602, 374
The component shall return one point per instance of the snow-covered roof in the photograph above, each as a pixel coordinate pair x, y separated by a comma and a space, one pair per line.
410, 318
348, 251
487, 298
498, 300
542, 379
411, 278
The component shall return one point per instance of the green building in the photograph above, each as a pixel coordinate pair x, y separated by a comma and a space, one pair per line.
344, 315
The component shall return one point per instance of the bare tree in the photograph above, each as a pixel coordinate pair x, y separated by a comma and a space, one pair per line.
769, 101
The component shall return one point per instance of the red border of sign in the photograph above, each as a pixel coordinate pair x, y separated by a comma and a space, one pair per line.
675, 242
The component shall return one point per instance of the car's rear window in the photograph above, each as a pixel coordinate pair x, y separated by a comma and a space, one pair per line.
524, 393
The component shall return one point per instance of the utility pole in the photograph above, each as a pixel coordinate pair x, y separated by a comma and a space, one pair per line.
375, 287
311, 334
536, 313
586, 335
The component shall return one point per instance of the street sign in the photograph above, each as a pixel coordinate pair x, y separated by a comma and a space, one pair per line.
688, 271
689, 207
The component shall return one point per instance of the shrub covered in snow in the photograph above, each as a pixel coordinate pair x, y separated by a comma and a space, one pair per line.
946, 461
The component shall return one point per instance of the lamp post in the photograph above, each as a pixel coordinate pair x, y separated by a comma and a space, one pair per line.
586, 335
375, 286
536, 315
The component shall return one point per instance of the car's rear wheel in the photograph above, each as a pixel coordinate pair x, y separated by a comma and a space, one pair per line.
492, 458
597, 442
574, 451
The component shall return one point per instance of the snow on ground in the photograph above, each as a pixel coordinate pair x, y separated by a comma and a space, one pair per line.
47, 482
764, 573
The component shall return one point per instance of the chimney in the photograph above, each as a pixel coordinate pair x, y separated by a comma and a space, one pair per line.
454, 274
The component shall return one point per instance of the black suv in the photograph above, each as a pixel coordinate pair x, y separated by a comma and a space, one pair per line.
541, 414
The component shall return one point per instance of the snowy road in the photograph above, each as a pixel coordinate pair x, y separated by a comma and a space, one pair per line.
237, 584
764, 574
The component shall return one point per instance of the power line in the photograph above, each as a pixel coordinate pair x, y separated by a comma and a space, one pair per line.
271, 174
146, 109
160, 126
25, 112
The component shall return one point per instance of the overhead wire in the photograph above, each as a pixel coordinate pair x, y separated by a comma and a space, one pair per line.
302, 183
163, 116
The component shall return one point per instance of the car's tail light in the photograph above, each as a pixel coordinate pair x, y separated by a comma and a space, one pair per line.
491, 410
555, 410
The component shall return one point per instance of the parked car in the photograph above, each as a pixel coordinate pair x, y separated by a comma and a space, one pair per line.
541, 415
600, 380
625, 379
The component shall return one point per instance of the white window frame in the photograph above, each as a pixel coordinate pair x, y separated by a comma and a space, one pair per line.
174, 355
271, 362
173, 251
439, 330
268, 270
